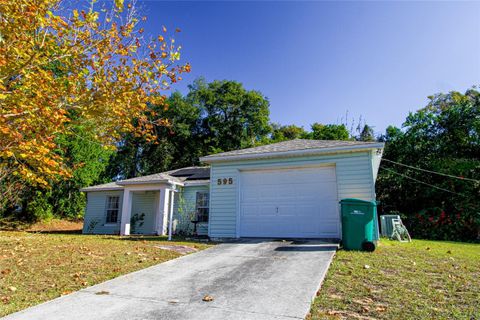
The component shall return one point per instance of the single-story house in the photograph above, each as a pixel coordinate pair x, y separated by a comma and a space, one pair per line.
289, 189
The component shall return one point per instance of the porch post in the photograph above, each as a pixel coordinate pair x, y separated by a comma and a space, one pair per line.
162, 211
158, 211
170, 213
126, 213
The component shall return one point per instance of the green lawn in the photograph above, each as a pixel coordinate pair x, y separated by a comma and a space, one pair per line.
418, 280
36, 267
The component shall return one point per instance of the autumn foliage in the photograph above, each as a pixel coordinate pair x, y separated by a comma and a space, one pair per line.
60, 68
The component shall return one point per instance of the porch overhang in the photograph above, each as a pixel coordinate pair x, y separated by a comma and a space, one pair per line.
163, 206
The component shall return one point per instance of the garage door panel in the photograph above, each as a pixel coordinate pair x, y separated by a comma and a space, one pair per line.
286, 211
328, 228
289, 203
307, 211
329, 211
249, 210
267, 210
329, 195
266, 194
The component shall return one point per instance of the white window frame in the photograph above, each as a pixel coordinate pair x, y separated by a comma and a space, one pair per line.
205, 205
108, 208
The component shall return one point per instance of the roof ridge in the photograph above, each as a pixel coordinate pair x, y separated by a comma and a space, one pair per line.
295, 145
148, 175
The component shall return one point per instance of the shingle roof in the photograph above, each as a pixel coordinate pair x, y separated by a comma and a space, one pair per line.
156, 177
293, 145
191, 173
105, 186
198, 174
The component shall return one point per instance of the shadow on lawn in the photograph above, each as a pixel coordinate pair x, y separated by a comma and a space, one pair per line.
313, 248
162, 238
79, 231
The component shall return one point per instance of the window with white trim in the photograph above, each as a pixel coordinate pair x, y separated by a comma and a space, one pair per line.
202, 206
113, 207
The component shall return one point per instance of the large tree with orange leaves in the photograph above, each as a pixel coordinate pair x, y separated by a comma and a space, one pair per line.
61, 66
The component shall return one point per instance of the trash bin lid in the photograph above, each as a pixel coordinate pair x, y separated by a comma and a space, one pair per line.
356, 201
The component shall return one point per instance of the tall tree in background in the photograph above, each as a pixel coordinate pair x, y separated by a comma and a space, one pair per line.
366, 134
88, 160
329, 132
177, 145
212, 117
231, 116
443, 137
287, 132
61, 68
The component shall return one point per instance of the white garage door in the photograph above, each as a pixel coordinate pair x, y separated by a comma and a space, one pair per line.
289, 203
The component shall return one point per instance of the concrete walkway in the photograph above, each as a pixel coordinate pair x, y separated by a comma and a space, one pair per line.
254, 279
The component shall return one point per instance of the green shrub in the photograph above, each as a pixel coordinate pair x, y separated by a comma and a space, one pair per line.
440, 224
136, 221
39, 207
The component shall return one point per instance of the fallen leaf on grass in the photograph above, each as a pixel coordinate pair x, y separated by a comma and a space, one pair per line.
207, 298
5, 299
64, 293
13, 289
381, 309
365, 301
347, 315
5, 271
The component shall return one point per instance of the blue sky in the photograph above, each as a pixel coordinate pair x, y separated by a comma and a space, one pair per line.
316, 60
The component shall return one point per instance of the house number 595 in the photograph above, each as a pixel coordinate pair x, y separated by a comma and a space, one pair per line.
225, 181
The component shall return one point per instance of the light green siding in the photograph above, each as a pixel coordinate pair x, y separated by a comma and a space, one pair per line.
184, 207
95, 213
354, 172
376, 159
144, 202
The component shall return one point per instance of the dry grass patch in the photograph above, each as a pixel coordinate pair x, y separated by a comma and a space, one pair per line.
36, 267
53, 225
418, 280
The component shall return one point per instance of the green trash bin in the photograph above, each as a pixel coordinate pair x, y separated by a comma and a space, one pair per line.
359, 224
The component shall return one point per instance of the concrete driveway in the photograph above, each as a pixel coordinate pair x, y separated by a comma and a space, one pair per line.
250, 279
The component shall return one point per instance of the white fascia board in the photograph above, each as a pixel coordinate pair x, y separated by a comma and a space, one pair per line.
294, 153
119, 188
194, 183
163, 181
